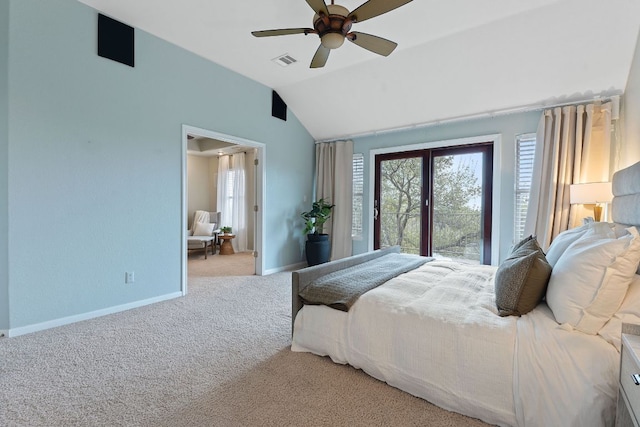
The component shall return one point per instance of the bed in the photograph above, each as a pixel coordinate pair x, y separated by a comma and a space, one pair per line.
436, 330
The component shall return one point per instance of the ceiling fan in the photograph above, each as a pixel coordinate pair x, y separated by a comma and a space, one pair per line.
332, 23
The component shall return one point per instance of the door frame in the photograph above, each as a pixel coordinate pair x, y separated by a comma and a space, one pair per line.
260, 194
496, 139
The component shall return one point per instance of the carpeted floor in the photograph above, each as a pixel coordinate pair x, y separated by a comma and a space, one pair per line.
238, 264
217, 357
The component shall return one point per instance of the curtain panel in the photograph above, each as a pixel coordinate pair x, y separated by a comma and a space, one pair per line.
334, 183
573, 146
232, 202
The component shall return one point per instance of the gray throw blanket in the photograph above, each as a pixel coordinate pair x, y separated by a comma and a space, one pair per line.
342, 288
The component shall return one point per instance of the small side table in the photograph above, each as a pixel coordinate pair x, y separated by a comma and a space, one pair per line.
225, 247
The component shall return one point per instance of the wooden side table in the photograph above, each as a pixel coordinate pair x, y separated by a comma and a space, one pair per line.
225, 247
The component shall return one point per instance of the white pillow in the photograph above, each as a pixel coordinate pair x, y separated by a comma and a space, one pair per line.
203, 229
563, 240
591, 278
629, 312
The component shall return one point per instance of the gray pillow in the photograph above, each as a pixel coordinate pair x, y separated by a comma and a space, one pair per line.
522, 243
521, 280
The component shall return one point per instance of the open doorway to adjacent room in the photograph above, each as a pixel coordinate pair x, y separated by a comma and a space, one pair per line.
222, 187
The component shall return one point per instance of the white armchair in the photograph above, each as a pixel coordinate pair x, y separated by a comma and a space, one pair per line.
204, 231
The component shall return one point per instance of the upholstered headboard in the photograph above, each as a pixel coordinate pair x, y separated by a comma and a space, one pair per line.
625, 208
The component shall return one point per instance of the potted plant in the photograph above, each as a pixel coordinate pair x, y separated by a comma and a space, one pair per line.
226, 229
317, 247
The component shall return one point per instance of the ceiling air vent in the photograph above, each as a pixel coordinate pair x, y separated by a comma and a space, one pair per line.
285, 60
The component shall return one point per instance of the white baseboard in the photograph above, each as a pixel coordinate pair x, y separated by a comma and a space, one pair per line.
290, 267
86, 316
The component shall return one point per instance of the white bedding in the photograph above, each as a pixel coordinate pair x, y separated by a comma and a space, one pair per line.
435, 333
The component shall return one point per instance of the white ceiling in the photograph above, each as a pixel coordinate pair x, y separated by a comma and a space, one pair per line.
455, 58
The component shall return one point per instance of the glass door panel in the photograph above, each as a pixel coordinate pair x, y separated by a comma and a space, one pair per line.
399, 204
457, 206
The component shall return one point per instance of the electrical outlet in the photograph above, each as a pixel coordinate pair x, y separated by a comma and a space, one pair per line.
129, 277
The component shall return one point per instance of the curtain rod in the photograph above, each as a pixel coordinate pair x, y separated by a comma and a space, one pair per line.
490, 114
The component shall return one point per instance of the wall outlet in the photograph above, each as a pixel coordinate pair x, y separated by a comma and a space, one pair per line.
129, 277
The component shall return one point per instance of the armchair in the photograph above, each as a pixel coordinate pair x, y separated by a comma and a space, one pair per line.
204, 231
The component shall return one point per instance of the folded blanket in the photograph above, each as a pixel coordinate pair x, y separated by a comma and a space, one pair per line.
342, 288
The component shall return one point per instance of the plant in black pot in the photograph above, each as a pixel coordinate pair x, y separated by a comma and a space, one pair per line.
317, 247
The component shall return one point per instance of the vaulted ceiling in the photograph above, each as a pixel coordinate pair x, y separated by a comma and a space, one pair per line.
455, 58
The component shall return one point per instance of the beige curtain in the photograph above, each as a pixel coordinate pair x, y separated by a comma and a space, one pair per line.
334, 183
573, 146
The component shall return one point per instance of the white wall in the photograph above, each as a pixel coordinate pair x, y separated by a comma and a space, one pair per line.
630, 114
198, 186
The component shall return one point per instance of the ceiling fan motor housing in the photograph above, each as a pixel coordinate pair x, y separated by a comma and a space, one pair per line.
332, 29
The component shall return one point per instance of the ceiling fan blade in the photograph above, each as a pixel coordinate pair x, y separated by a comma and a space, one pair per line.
373, 43
373, 8
318, 6
320, 58
282, 32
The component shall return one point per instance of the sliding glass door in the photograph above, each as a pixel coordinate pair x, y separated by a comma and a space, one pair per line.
436, 202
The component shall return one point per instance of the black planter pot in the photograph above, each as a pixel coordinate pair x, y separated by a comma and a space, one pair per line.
317, 248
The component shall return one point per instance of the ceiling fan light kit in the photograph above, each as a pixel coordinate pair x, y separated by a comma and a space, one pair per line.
332, 23
332, 29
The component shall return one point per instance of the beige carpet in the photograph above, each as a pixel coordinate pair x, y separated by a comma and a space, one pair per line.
238, 264
218, 357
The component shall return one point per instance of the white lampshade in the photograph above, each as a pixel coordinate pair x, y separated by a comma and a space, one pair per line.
590, 193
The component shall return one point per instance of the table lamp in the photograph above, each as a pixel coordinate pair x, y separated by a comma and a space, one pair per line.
591, 193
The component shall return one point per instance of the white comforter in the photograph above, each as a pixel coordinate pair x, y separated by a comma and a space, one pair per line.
435, 333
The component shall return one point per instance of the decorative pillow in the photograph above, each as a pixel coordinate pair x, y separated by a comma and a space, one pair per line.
521, 280
521, 243
591, 278
629, 312
203, 229
621, 230
563, 240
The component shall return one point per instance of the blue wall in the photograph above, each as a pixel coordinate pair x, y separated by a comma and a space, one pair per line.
4, 144
95, 172
507, 126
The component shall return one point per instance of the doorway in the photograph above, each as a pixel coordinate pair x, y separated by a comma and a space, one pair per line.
436, 201
201, 143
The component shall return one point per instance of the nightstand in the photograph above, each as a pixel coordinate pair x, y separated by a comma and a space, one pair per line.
628, 410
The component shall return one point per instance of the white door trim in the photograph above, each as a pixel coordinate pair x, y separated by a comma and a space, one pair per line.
260, 192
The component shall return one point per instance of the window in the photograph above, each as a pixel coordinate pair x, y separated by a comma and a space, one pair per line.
358, 189
525, 150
